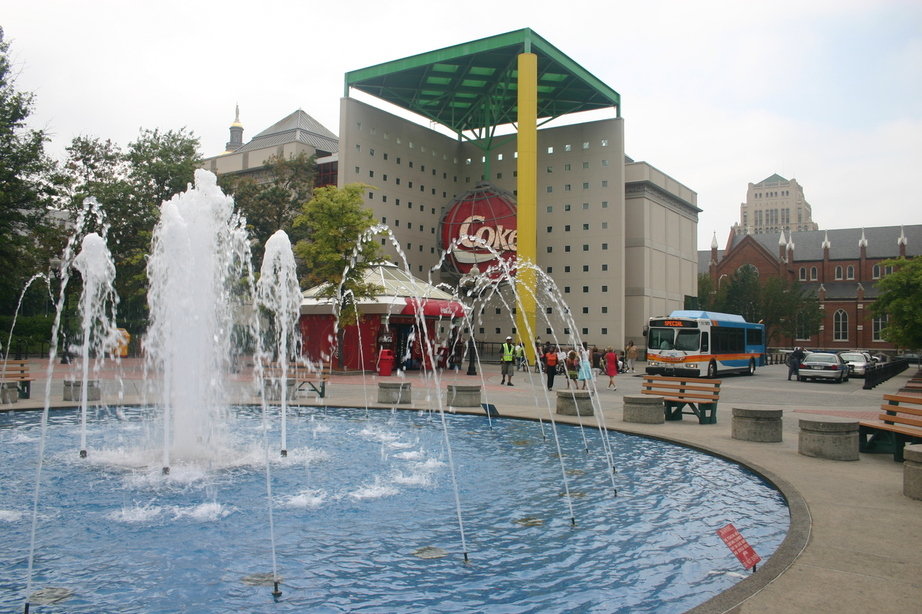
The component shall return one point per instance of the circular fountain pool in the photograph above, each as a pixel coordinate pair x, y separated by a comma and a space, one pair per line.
365, 518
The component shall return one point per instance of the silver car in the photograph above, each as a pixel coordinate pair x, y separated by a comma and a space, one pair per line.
857, 361
823, 365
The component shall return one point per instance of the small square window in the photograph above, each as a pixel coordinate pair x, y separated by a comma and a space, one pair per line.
566, 268
604, 143
567, 147
585, 226
566, 228
605, 204
585, 268
566, 248
566, 289
550, 249
604, 288
550, 209
550, 270
604, 267
586, 145
550, 229
550, 150
585, 289
585, 247
604, 309
566, 207
604, 331
585, 310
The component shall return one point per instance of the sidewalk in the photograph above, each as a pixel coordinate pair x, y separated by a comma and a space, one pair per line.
855, 543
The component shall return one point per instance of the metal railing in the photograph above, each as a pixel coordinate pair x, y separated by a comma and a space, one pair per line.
875, 374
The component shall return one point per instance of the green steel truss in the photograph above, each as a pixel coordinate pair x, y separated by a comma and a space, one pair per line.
472, 88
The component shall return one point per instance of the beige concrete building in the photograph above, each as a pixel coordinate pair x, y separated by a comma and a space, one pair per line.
615, 237
775, 204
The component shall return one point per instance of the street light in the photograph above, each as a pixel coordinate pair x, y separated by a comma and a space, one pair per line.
470, 282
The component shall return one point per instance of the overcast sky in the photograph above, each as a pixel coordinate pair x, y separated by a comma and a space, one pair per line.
716, 94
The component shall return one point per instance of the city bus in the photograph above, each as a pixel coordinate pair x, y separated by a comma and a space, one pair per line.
704, 343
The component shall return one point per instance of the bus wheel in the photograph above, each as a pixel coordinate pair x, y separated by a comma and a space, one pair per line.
712, 370
752, 367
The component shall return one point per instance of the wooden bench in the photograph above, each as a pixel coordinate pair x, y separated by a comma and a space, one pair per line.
302, 377
17, 371
699, 395
899, 424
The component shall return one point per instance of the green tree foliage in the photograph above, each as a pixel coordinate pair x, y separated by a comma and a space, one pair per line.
336, 226
273, 201
782, 305
900, 301
27, 185
130, 185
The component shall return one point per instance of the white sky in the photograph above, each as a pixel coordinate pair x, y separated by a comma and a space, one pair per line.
716, 94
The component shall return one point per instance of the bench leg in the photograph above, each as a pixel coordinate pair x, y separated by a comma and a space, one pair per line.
707, 413
673, 410
25, 389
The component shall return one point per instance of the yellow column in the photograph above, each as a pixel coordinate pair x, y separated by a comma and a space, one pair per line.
527, 192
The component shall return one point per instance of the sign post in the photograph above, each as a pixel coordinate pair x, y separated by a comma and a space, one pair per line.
739, 546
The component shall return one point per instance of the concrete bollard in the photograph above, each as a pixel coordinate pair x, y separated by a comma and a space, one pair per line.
273, 389
831, 438
391, 393
912, 471
574, 403
463, 395
751, 424
643, 409
73, 390
9, 393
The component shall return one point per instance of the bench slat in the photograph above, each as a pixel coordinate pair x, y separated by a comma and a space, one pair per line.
900, 420
901, 409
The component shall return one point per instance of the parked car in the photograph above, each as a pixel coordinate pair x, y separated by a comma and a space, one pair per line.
857, 361
823, 365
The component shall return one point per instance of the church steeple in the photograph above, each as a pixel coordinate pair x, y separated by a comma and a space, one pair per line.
236, 133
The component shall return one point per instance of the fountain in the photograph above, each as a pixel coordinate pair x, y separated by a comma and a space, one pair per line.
180, 504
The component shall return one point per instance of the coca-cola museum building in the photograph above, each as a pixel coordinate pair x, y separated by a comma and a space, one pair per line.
616, 237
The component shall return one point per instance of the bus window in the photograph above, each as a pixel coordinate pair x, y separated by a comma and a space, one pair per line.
661, 338
687, 340
704, 343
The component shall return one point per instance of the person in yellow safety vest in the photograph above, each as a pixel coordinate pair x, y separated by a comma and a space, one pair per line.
520, 363
508, 362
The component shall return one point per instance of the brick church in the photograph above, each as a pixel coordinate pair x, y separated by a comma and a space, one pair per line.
840, 267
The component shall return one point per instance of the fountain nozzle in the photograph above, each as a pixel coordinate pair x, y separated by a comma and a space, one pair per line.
82, 453
276, 593
166, 471
284, 453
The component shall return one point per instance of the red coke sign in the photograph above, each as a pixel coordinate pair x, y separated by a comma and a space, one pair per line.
479, 225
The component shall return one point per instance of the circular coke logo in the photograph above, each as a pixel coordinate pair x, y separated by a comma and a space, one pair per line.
479, 226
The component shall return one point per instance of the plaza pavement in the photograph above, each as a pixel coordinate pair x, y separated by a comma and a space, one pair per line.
855, 542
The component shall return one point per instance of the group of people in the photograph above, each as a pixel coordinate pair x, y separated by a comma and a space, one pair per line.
577, 364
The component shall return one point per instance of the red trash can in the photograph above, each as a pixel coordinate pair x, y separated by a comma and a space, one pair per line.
386, 362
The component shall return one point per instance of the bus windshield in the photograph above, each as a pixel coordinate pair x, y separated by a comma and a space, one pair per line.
684, 339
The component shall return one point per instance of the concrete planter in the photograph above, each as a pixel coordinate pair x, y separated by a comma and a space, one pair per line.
574, 403
392, 393
756, 424
644, 409
912, 471
9, 393
463, 395
829, 438
73, 390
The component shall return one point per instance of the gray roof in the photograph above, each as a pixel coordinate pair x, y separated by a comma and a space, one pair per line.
296, 127
843, 242
842, 290
775, 178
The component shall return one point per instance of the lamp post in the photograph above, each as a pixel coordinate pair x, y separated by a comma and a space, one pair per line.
470, 282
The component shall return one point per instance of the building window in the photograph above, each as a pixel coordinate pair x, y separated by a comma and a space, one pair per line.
605, 204
879, 323
585, 289
550, 229
840, 326
585, 268
850, 272
604, 288
567, 187
604, 267
604, 309
585, 247
566, 228
875, 272
813, 273
604, 143
566, 248
566, 289
803, 274
838, 272
604, 331
550, 249
605, 183
585, 310
566, 268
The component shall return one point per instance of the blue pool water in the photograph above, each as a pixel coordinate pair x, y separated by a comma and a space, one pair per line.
359, 503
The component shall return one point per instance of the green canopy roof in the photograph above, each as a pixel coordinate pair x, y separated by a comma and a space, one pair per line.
473, 86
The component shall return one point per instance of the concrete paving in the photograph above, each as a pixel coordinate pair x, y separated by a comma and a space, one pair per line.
855, 543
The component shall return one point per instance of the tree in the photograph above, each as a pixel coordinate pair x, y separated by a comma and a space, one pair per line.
788, 311
900, 301
337, 248
27, 185
274, 202
130, 185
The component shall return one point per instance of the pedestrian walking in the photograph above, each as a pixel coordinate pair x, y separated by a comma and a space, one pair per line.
611, 366
550, 365
508, 362
630, 355
794, 361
